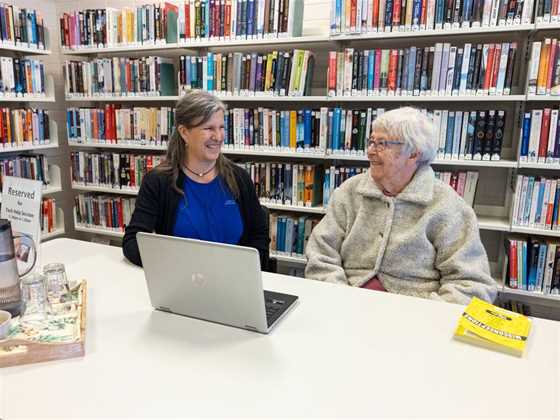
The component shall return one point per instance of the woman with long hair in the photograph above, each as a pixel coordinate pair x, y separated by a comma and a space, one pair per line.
197, 192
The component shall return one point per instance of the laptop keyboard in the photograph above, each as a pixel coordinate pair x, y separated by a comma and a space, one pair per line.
276, 304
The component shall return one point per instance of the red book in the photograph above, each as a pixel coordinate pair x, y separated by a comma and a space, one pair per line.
423, 13
454, 180
50, 215
396, 14
2, 127
120, 213
496, 66
550, 209
375, 20
545, 128
227, 19
95, 125
129, 82
393, 64
513, 264
132, 172
377, 68
353, 12
331, 72
187, 21
489, 67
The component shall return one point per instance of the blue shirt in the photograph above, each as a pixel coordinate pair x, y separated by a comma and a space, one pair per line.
208, 212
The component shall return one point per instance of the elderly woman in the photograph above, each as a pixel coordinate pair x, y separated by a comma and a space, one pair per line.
398, 228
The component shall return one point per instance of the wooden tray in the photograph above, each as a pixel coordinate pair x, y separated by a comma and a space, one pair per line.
33, 346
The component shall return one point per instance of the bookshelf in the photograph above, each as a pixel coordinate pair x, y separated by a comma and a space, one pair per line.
26, 44
494, 210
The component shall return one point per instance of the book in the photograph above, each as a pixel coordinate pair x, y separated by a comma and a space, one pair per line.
490, 326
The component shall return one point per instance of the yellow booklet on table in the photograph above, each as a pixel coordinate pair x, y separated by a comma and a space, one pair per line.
496, 328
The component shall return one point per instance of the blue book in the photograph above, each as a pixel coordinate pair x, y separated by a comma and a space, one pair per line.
416, 13
250, 17
371, 70
411, 68
289, 236
533, 264
326, 187
34, 72
338, 15
557, 140
336, 129
41, 118
525, 133
285, 121
307, 126
33, 19
300, 130
439, 12
300, 236
466, 15
528, 198
210, 71
330, 132
288, 180
193, 74
69, 126
281, 234
206, 17
247, 128
450, 132
525, 269
101, 120
555, 208
389, 13
540, 267
226, 127
540, 198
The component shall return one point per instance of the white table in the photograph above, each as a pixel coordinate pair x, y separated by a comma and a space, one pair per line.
341, 352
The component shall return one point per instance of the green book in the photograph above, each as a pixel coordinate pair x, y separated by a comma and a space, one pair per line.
171, 13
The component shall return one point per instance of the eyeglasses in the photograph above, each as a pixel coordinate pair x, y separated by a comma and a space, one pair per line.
382, 144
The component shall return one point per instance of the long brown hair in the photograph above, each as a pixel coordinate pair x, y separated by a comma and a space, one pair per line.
192, 110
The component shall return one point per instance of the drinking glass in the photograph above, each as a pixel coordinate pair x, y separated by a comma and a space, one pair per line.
35, 303
58, 289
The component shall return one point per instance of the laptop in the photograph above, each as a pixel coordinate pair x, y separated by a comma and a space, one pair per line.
210, 281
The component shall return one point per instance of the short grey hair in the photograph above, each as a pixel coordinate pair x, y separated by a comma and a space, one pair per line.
412, 126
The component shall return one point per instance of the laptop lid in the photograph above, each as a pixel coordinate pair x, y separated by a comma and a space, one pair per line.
206, 280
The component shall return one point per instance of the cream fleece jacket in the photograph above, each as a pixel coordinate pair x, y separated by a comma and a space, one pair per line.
424, 242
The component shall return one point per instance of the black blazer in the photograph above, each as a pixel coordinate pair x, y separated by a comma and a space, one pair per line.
156, 208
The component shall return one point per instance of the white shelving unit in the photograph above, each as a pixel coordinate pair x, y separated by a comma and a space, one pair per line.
439, 33
542, 98
97, 230
299, 209
8, 149
429, 98
29, 49
534, 231
288, 258
48, 97
122, 146
497, 220
100, 189
207, 44
537, 165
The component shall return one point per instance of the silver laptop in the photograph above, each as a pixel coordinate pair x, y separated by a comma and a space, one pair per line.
210, 281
